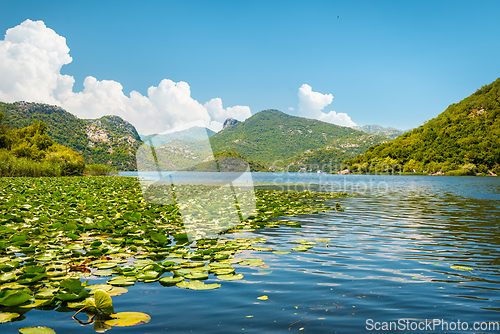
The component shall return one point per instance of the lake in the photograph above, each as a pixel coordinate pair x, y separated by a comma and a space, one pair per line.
406, 249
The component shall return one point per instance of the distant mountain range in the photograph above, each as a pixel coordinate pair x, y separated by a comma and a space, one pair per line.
108, 140
463, 139
269, 138
381, 131
272, 136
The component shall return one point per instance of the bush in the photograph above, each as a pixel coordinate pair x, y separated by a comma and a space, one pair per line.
469, 169
71, 162
97, 169
12, 166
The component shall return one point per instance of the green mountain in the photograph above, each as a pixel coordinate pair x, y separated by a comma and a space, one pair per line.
271, 135
192, 134
463, 139
322, 159
108, 140
380, 130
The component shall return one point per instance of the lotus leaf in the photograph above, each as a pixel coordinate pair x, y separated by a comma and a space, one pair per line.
7, 316
116, 291
36, 330
197, 285
13, 297
125, 319
230, 277
196, 276
171, 280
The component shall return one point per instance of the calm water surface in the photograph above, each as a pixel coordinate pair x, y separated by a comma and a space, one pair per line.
397, 252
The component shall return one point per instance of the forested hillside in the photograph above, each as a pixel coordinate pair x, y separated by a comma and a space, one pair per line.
271, 135
464, 139
108, 140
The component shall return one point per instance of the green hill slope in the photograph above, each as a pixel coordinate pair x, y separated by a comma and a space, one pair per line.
108, 140
381, 131
271, 135
466, 137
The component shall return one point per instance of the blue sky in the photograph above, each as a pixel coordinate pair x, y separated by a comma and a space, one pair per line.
392, 63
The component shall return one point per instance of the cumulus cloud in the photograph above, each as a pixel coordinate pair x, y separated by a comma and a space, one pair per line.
32, 57
218, 114
311, 105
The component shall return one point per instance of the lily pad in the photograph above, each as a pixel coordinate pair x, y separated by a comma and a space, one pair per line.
197, 285
121, 281
103, 273
230, 277
116, 291
196, 276
171, 280
37, 330
7, 316
125, 319
13, 297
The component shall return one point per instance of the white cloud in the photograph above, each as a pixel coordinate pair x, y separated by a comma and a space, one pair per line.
291, 108
32, 56
311, 105
219, 114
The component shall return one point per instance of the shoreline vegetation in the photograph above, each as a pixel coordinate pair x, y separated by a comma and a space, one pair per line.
30, 151
462, 140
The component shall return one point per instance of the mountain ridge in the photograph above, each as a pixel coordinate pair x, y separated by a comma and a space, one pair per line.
270, 136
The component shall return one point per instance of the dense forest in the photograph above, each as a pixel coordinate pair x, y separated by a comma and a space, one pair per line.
322, 159
464, 139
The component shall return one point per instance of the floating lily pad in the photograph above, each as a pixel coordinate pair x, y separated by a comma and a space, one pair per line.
171, 280
103, 287
121, 281
37, 330
116, 291
13, 297
197, 276
197, 285
230, 277
125, 319
102, 273
7, 316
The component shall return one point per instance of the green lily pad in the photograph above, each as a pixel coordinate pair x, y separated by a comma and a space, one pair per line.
103, 302
8, 277
103, 287
37, 330
197, 276
197, 285
223, 271
13, 297
125, 319
103, 273
230, 277
116, 291
105, 265
121, 281
171, 280
8, 316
